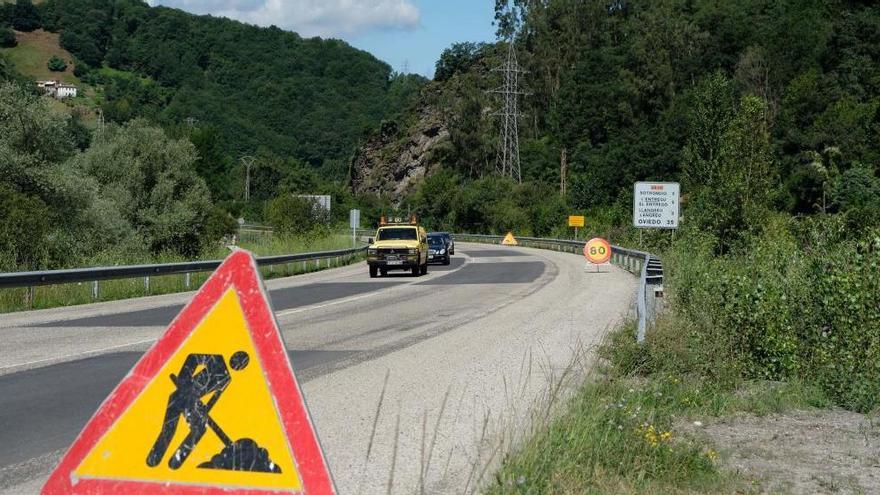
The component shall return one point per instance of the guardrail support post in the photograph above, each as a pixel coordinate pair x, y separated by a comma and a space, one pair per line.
187, 279
147, 284
30, 296
95, 289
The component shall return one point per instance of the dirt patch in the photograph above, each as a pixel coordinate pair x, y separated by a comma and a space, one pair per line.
800, 452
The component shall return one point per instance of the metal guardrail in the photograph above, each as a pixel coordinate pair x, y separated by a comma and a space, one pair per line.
648, 266
94, 275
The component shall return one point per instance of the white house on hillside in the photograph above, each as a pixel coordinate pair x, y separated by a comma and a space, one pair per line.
57, 89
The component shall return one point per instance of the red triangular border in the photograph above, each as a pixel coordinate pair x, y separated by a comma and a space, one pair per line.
239, 270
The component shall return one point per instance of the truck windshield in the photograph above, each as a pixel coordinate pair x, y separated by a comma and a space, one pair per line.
402, 234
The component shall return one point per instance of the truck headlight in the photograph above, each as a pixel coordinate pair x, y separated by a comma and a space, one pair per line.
372, 252
413, 251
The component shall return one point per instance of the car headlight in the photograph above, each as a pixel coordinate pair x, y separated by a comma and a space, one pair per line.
413, 250
442, 251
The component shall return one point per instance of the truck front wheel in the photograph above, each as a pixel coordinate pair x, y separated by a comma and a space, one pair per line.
374, 272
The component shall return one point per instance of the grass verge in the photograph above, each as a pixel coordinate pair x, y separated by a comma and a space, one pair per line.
51, 296
622, 432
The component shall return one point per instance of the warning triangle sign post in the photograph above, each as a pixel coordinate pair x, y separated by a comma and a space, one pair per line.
509, 240
212, 408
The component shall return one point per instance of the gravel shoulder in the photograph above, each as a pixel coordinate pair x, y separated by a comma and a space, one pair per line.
817, 452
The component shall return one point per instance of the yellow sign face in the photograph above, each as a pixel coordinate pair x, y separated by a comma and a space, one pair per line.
576, 221
509, 240
207, 418
597, 251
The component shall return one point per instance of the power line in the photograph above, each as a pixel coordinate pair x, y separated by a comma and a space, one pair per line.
508, 163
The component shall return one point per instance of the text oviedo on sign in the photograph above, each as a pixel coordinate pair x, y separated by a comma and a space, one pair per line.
656, 205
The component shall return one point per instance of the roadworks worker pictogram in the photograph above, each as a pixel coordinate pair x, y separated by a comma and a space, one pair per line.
509, 240
205, 375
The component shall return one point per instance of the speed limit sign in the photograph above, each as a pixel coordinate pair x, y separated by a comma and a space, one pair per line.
597, 251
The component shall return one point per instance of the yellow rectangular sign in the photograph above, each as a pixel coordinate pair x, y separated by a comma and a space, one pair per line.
575, 221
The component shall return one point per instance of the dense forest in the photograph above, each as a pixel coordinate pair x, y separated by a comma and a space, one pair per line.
249, 90
657, 90
768, 114
184, 98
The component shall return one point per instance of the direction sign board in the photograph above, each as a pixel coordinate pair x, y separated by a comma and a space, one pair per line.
656, 205
576, 221
212, 408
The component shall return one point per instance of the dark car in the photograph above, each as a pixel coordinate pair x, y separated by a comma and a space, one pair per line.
438, 248
450, 242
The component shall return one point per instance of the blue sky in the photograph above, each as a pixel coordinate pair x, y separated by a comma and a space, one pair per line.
407, 34
442, 23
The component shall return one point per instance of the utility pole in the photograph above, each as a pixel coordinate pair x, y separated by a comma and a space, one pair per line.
100, 124
563, 169
248, 162
508, 151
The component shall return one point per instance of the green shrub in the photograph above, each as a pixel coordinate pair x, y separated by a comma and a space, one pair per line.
796, 302
7, 37
290, 214
56, 64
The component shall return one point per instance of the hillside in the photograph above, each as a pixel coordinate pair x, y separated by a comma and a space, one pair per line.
262, 88
34, 50
648, 91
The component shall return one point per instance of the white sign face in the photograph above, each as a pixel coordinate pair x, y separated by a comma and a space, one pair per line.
354, 218
655, 205
320, 201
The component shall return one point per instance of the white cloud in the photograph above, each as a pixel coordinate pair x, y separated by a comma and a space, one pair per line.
326, 18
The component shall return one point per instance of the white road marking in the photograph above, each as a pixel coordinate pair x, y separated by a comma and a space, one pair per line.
64, 358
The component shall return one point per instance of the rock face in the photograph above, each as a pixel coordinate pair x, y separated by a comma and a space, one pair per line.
394, 161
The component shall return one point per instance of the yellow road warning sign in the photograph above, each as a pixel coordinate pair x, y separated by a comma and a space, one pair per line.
509, 240
576, 220
212, 408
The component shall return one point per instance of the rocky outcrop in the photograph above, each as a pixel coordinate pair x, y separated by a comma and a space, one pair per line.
392, 162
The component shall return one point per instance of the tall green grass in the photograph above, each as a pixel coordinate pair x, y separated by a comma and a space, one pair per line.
626, 431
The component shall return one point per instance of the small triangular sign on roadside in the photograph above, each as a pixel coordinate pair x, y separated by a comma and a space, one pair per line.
212, 408
509, 240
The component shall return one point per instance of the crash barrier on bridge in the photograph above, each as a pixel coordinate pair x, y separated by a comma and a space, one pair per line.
97, 274
647, 266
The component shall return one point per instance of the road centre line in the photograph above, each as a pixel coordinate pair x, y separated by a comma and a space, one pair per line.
4, 370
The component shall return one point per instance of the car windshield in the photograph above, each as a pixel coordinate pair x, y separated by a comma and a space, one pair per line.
435, 240
401, 234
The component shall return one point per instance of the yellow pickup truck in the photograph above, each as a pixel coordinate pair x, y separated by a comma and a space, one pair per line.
398, 246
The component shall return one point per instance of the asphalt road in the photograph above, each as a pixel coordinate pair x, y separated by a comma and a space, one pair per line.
344, 332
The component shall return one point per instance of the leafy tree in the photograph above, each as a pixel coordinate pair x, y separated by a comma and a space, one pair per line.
290, 214
25, 16
7, 38
159, 193
457, 58
24, 230
56, 64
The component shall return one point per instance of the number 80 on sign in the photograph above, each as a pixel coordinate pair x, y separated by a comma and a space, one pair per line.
597, 251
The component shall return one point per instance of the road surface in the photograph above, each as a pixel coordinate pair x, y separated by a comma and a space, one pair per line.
468, 355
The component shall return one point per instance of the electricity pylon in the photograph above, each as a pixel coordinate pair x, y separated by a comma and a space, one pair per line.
508, 149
